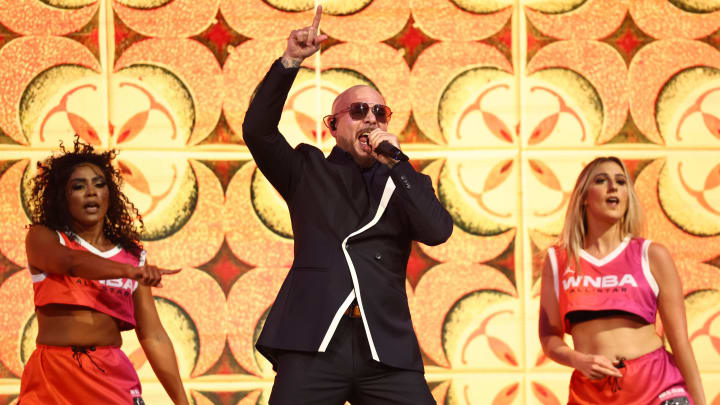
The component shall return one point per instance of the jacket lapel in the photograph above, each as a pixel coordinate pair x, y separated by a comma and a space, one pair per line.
378, 186
349, 177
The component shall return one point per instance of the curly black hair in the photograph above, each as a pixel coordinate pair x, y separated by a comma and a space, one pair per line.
48, 203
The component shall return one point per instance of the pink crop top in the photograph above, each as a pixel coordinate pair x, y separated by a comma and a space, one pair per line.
113, 297
620, 281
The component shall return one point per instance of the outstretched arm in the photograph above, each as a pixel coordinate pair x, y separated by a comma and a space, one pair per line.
273, 155
157, 345
45, 254
550, 331
671, 305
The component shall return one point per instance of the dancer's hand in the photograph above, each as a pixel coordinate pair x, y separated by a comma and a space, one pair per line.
150, 275
303, 42
594, 366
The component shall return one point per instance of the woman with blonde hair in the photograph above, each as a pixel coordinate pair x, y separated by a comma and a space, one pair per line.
604, 284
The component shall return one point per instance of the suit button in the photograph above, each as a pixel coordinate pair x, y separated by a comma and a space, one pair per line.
378, 256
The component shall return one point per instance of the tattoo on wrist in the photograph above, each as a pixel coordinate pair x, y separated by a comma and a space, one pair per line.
289, 63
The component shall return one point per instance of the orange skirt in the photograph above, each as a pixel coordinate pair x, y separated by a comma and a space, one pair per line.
652, 379
64, 375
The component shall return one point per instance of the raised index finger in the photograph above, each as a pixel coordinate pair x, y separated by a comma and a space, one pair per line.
316, 20
310, 41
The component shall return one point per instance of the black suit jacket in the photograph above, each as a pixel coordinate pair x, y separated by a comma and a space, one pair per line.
350, 244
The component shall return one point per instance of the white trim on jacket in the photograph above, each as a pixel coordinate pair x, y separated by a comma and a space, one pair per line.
387, 193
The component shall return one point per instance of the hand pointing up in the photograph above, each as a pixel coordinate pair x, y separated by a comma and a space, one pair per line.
303, 42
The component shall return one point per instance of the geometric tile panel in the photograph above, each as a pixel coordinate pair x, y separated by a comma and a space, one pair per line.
500, 102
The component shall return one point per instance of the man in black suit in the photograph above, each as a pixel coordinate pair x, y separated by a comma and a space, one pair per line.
340, 327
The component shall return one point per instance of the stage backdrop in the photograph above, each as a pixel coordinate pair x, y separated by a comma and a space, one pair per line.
500, 102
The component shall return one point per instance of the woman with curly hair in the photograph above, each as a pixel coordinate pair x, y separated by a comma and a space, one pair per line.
90, 282
604, 285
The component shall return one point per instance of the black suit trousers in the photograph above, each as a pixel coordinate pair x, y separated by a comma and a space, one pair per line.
345, 372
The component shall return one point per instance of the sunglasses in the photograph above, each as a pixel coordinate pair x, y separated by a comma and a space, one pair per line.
358, 111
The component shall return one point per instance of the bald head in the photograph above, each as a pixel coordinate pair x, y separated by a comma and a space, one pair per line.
355, 93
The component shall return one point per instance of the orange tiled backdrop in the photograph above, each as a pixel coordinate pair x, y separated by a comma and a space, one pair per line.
501, 102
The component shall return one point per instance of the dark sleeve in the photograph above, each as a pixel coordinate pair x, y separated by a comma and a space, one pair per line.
430, 222
276, 159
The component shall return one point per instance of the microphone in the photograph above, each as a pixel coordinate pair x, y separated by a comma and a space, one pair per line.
387, 149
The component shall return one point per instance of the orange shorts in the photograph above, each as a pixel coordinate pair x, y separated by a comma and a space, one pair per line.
652, 379
64, 375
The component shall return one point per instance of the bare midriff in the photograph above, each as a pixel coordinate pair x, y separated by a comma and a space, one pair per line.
70, 325
615, 337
